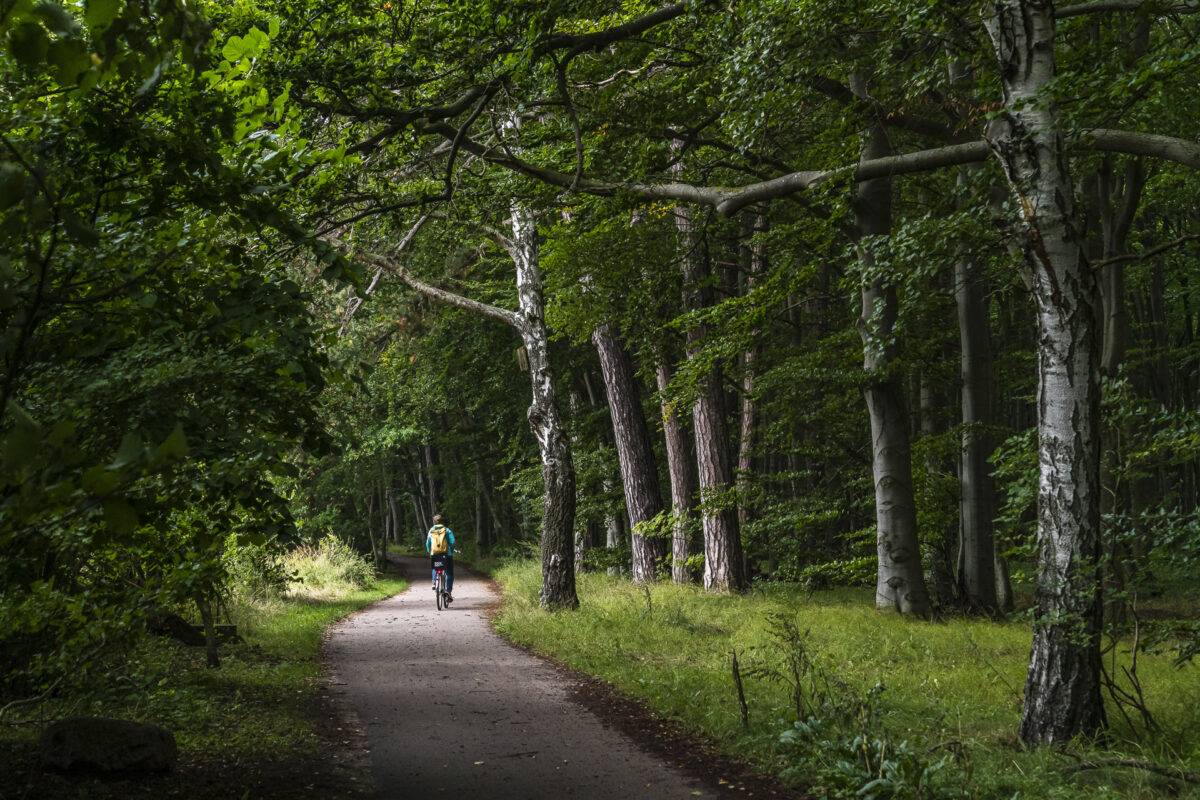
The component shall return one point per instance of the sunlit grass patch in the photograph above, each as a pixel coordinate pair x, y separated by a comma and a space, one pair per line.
944, 696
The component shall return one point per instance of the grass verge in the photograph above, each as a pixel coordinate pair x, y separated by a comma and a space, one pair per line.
246, 729
847, 701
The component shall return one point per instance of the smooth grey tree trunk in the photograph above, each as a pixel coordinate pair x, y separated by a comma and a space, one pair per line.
1062, 688
432, 468
900, 580
977, 585
724, 565
635, 455
756, 267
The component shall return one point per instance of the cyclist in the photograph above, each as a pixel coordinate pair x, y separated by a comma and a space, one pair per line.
440, 541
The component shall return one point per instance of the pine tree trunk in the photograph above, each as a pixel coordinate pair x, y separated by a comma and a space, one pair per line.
635, 455
900, 580
1062, 690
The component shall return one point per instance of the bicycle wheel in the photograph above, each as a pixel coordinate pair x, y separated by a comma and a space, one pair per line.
441, 590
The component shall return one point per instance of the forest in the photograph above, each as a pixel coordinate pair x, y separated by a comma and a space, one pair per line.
890, 295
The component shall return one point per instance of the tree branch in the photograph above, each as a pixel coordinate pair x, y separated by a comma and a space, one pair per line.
1153, 251
729, 201
394, 266
1108, 6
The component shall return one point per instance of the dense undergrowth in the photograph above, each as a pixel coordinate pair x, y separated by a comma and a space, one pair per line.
258, 703
853, 703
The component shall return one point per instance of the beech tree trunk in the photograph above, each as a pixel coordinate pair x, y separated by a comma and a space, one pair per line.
635, 455
724, 565
756, 267
977, 586
1062, 689
682, 475
900, 581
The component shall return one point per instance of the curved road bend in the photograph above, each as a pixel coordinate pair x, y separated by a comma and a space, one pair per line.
450, 709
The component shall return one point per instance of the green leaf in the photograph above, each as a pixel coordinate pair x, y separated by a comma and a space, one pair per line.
174, 447
80, 231
99, 480
130, 451
119, 515
57, 18
99, 14
28, 44
12, 184
20, 446
235, 49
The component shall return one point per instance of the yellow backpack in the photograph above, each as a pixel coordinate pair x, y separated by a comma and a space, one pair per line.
438, 540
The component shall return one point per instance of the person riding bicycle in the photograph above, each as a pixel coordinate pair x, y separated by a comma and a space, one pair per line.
439, 542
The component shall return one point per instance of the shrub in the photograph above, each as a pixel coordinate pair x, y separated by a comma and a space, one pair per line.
329, 565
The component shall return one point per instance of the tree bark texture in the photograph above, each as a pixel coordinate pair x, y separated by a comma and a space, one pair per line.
635, 455
558, 468
900, 580
1062, 690
724, 564
977, 573
756, 267
682, 474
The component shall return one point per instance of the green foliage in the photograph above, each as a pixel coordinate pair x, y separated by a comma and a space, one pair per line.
331, 566
256, 706
156, 368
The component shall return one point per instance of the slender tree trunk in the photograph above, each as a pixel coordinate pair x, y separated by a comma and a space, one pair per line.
481, 509
1062, 690
211, 656
682, 475
1111, 240
756, 266
432, 468
639, 474
941, 542
977, 576
558, 468
422, 523
724, 565
900, 583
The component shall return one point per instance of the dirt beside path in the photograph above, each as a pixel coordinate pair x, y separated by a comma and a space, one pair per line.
448, 708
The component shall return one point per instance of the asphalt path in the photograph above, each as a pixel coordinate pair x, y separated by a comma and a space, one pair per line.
450, 709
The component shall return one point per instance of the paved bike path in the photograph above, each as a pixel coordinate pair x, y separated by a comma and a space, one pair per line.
450, 709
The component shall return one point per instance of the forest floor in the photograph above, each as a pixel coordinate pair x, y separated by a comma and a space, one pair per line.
419, 701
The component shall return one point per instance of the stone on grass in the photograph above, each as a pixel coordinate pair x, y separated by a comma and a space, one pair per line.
107, 745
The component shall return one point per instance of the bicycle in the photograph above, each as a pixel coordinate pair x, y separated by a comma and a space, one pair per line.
441, 596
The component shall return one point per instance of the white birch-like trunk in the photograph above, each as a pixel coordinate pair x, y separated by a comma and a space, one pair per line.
1062, 689
558, 468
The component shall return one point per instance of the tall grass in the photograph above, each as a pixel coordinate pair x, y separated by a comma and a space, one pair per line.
258, 703
942, 699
